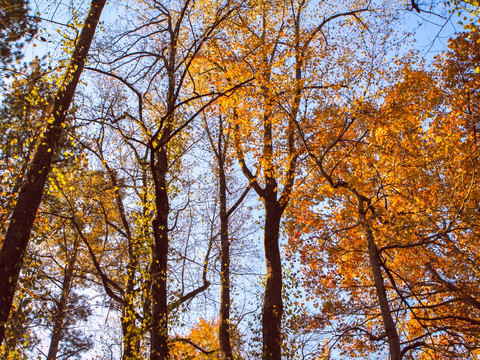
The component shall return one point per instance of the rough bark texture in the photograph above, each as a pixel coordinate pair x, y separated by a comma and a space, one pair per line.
272, 303
159, 329
159, 168
30, 196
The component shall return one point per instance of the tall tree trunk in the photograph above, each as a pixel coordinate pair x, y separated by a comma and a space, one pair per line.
159, 330
129, 330
159, 169
376, 264
274, 207
30, 196
272, 303
61, 311
224, 326
130, 336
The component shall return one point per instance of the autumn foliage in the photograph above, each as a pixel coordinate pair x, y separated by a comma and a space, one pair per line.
239, 180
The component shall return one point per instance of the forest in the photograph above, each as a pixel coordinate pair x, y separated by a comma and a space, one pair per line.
239, 179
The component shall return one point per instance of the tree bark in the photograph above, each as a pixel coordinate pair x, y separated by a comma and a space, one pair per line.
130, 336
376, 264
60, 313
159, 329
224, 326
272, 303
272, 310
159, 169
30, 196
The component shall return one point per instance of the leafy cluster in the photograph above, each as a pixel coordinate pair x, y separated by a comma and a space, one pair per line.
15, 24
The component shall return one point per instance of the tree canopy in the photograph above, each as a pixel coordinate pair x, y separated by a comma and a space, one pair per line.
223, 179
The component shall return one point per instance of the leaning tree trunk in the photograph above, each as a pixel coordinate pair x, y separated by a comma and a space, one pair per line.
376, 265
30, 195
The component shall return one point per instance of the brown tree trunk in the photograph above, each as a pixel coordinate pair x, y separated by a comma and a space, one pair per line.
376, 264
159, 329
60, 312
30, 196
159, 169
130, 336
224, 326
272, 303
274, 207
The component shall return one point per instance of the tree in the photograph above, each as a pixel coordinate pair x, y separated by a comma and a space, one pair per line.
388, 180
30, 193
22, 111
278, 45
180, 28
365, 160
220, 147
110, 190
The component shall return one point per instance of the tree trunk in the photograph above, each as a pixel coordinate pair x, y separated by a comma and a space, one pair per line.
30, 196
224, 326
159, 330
376, 264
60, 313
159, 169
272, 303
130, 336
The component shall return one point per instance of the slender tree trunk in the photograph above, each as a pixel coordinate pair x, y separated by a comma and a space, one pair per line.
274, 207
61, 310
224, 326
129, 330
376, 264
30, 196
159, 330
159, 169
130, 336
